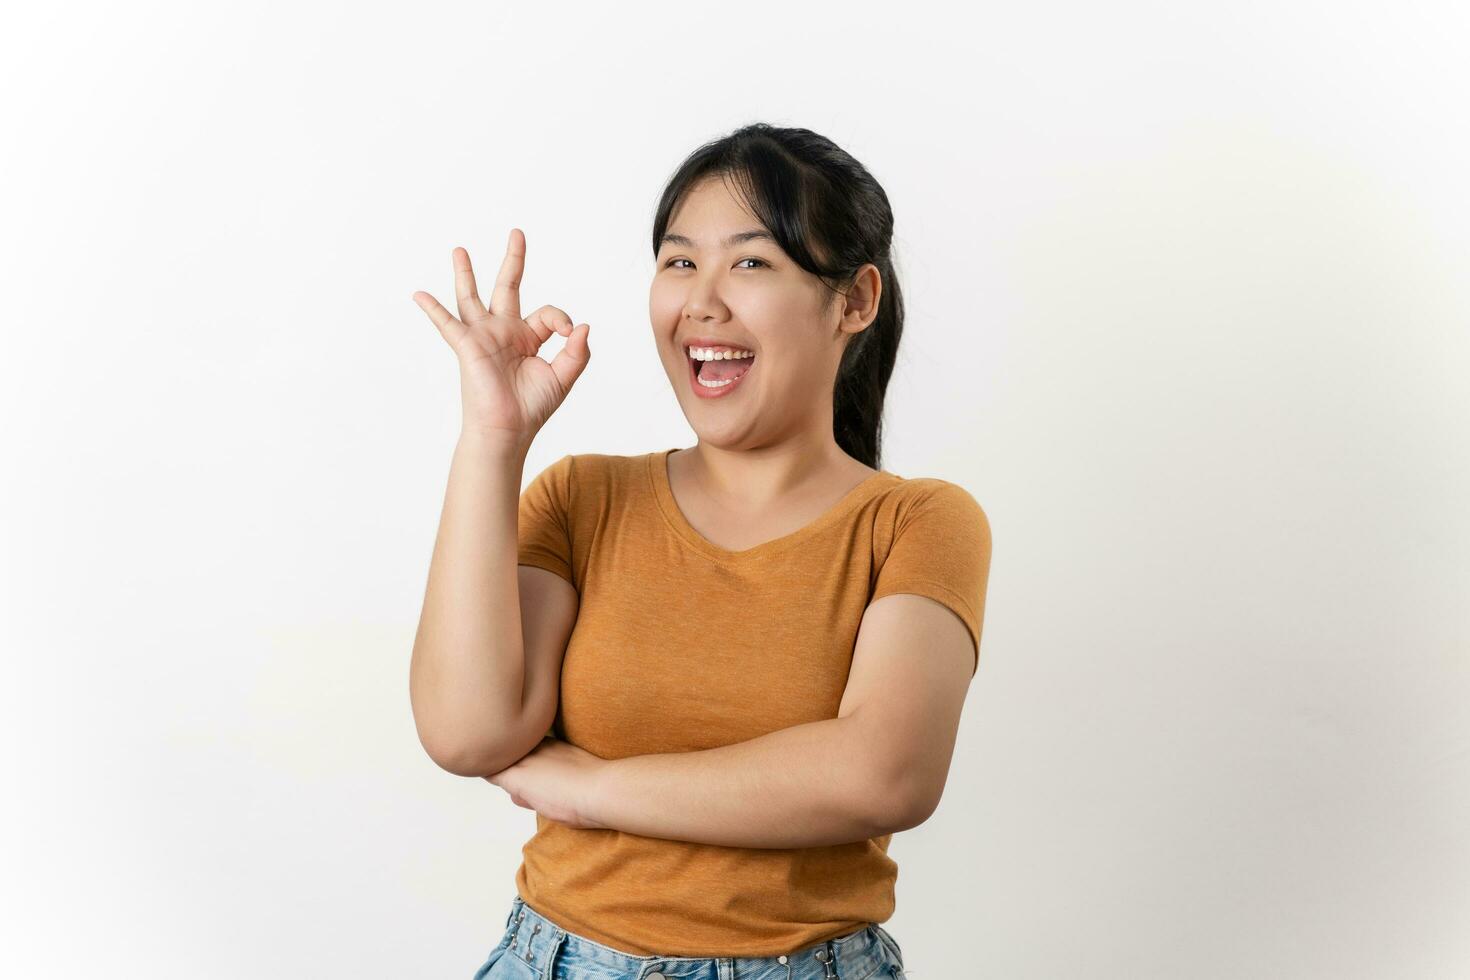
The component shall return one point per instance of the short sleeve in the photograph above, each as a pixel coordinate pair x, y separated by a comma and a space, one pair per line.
544, 521
941, 550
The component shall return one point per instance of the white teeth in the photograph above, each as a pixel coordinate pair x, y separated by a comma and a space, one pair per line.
710, 354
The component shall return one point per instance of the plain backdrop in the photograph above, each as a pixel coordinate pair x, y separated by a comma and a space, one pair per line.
1187, 314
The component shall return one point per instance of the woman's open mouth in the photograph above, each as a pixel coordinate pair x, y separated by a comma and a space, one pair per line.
717, 378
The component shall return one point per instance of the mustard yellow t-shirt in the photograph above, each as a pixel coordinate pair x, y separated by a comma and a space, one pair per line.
681, 645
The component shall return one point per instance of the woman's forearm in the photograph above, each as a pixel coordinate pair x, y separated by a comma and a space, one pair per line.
810, 785
467, 673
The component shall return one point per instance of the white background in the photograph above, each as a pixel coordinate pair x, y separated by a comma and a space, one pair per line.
1187, 314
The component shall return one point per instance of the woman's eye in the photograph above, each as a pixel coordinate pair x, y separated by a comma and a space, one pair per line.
751, 260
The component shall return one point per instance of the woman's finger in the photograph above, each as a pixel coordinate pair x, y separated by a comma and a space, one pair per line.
465, 293
540, 326
505, 299
568, 365
449, 328
548, 320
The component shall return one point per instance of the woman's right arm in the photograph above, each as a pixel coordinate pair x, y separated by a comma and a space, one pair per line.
479, 703
467, 677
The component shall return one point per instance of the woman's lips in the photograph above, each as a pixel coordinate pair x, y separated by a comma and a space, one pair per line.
703, 392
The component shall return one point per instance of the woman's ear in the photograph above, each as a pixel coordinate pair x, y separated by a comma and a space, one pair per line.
862, 299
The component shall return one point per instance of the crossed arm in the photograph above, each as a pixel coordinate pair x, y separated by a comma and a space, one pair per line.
806, 786
877, 768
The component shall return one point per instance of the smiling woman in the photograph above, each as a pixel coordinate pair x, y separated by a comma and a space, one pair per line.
718, 773
736, 265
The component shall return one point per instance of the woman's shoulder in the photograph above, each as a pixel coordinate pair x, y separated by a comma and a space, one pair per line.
600, 473
930, 526
916, 488
932, 498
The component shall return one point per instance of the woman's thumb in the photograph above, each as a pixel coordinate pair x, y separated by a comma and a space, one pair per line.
571, 360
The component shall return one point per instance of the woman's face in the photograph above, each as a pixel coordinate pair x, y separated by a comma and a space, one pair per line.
743, 294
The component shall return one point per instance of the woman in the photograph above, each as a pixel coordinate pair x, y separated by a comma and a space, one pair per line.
750, 654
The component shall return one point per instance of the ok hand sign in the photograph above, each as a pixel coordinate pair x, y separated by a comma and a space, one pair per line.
507, 391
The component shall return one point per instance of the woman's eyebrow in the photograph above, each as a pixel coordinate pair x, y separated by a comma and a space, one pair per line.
740, 236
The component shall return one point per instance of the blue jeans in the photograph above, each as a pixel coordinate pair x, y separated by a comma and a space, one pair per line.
535, 948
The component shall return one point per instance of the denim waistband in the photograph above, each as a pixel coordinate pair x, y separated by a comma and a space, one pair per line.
541, 945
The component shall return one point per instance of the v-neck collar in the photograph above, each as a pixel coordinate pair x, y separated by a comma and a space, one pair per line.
658, 475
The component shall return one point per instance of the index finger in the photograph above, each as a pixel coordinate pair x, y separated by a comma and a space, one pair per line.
505, 300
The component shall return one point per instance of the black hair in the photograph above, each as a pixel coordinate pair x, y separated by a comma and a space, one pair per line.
831, 217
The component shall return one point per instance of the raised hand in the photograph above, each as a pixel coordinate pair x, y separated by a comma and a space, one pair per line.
508, 392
